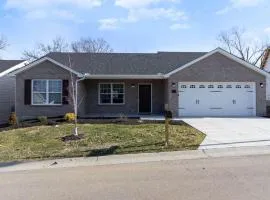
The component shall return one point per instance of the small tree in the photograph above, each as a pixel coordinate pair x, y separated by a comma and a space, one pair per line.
74, 79
248, 49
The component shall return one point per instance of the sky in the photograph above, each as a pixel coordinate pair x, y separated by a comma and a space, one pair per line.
131, 25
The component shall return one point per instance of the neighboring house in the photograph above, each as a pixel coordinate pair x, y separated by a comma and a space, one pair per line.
7, 87
187, 83
265, 65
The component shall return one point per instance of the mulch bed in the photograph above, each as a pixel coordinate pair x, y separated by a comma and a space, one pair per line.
69, 138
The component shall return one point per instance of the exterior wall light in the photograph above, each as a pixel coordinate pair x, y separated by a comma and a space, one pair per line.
261, 84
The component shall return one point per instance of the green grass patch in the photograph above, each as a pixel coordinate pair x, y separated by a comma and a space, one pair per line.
43, 142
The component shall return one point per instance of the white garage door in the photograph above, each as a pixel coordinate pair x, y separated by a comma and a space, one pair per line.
217, 99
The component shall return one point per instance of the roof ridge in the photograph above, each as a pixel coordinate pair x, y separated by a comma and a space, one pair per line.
138, 53
67, 52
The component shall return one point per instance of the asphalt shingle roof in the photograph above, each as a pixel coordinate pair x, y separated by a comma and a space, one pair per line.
125, 63
6, 64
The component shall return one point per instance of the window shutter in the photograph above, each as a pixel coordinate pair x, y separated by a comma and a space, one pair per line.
65, 94
27, 92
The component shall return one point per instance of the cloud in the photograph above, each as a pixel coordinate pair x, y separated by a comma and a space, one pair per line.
245, 3
234, 4
142, 10
224, 10
108, 24
34, 4
175, 27
267, 30
59, 14
52, 9
135, 15
131, 4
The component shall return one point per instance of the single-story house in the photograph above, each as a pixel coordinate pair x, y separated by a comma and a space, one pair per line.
213, 83
7, 87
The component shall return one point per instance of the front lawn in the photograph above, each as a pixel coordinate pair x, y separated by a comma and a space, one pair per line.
42, 142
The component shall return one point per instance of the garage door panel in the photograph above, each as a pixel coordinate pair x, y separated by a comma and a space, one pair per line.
217, 99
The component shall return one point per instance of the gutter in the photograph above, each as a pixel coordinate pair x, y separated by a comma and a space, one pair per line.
158, 76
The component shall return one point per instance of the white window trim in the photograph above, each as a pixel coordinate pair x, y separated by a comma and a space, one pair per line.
113, 104
47, 92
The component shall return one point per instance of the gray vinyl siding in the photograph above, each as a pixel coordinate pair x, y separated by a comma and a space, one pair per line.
131, 97
45, 70
7, 96
218, 68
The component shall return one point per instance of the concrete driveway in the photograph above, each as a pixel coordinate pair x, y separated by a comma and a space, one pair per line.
232, 132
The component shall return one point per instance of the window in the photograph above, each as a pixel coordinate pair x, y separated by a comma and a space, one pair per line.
192, 86
229, 86
247, 86
47, 92
201, 86
183, 86
238, 86
111, 93
210, 86
220, 86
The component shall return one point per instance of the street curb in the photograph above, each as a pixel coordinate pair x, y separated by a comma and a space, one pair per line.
134, 158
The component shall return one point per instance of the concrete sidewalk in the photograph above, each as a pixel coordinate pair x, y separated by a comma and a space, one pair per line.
134, 158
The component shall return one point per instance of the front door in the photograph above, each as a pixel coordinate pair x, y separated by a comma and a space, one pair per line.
145, 98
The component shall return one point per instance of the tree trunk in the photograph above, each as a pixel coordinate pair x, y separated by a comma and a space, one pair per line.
76, 127
167, 131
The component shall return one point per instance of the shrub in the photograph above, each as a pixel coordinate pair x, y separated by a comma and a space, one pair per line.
12, 120
69, 117
43, 120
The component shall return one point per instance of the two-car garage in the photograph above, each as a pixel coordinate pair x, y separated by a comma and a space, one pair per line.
217, 99
217, 84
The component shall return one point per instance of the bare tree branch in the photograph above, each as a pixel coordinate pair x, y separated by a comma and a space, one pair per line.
57, 45
90, 45
3, 42
60, 45
245, 48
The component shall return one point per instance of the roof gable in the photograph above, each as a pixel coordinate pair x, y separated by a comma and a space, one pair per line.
41, 60
224, 53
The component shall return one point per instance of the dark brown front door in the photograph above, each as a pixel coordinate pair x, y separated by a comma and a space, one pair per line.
145, 98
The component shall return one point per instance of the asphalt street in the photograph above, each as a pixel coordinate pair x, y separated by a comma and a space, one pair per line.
240, 178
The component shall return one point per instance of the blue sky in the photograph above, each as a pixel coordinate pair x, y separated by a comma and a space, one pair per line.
131, 25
